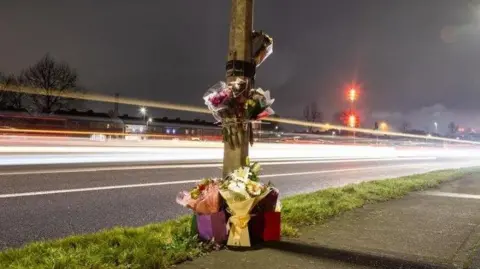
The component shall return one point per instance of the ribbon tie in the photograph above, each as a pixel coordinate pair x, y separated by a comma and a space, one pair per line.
239, 223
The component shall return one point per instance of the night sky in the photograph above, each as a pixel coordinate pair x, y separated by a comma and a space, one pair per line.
414, 60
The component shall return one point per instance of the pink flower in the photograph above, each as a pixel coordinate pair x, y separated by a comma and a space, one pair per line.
219, 98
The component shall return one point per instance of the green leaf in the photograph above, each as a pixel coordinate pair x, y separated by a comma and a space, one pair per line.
255, 168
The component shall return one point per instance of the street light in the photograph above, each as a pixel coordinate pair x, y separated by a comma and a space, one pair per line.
143, 111
383, 126
146, 125
436, 127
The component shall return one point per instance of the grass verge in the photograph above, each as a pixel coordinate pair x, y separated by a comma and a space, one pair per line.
473, 257
161, 245
313, 208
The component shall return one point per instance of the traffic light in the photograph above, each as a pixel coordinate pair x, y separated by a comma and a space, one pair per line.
350, 119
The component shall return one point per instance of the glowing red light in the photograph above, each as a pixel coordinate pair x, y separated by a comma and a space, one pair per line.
352, 94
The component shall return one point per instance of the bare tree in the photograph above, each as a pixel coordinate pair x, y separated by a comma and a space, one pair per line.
452, 127
306, 113
3, 99
315, 114
10, 99
312, 114
405, 126
51, 79
15, 99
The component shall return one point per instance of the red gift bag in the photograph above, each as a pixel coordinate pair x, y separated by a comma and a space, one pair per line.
271, 230
265, 227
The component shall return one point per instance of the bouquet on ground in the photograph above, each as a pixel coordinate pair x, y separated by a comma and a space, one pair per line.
242, 191
203, 199
209, 220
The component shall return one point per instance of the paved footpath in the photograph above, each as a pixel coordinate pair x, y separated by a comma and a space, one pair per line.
435, 229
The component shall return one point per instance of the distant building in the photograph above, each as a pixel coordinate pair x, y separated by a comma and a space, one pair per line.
90, 121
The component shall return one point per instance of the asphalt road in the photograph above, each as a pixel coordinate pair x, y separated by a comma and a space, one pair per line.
42, 202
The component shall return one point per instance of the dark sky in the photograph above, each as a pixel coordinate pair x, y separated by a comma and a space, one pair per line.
415, 60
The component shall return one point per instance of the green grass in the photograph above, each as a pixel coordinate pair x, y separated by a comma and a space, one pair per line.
151, 246
313, 208
473, 252
165, 244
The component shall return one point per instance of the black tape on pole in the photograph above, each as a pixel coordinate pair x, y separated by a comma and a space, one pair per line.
240, 69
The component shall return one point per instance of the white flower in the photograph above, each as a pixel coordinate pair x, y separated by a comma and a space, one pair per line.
268, 100
238, 187
241, 174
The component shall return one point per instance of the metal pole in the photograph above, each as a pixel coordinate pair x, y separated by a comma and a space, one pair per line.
351, 113
260, 131
240, 65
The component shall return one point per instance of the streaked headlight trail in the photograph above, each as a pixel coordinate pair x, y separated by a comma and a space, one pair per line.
187, 108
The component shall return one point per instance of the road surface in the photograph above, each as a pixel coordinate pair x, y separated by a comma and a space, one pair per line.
42, 201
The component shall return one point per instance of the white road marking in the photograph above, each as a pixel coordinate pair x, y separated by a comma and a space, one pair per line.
452, 194
37, 193
189, 166
143, 185
339, 170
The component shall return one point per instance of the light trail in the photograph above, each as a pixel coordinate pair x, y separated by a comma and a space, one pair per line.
169, 183
62, 132
105, 98
368, 131
205, 165
163, 105
32, 155
195, 151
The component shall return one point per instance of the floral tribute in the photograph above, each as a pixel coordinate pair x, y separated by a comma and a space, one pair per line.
202, 199
237, 209
234, 110
220, 100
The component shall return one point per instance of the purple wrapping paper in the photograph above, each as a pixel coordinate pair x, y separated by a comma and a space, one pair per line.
212, 227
